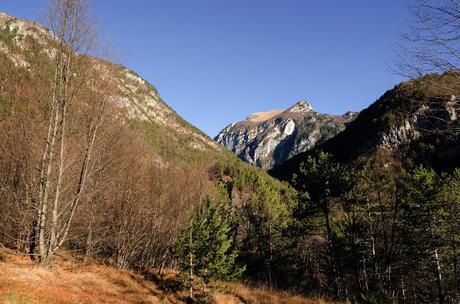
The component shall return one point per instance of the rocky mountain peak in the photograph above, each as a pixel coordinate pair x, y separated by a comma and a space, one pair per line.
301, 106
267, 139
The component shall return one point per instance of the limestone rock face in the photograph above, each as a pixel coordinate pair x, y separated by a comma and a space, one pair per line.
302, 106
427, 119
267, 139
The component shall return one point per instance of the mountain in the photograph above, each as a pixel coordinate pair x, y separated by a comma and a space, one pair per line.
417, 119
267, 139
27, 45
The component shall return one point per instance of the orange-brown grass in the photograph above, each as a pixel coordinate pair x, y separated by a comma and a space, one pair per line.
266, 296
71, 281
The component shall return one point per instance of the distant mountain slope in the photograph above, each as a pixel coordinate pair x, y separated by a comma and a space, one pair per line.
29, 45
418, 117
267, 139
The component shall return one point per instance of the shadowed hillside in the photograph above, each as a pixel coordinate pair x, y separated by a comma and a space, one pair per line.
418, 117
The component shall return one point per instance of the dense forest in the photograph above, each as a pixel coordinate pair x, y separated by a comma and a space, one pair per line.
358, 219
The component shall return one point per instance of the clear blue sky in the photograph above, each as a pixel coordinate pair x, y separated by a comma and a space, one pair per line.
217, 61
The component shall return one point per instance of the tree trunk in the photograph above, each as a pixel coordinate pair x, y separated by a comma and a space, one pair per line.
441, 296
191, 262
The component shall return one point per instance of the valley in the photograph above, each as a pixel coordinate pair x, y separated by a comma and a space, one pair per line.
108, 195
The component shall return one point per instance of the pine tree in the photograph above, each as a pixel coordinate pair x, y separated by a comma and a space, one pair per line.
205, 247
320, 181
450, 196
422, 225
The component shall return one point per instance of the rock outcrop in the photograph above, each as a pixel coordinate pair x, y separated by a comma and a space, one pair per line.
266, 139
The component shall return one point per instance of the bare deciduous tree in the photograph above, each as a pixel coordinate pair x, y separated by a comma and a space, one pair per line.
61, 182
432, 42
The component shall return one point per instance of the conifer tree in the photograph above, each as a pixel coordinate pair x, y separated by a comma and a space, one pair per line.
205, 247
422, 226
320, 181
450, 196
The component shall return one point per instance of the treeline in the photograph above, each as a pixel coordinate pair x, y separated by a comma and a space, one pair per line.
383, 231
386, 229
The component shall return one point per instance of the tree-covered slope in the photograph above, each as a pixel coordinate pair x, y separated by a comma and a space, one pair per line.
29, 46
419, 116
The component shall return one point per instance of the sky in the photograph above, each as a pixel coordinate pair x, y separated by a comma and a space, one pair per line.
217, 61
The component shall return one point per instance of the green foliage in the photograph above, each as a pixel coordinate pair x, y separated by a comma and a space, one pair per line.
384, 232
167, 143
264, 212
7, 36
206, 246
266, 196
378, 296
421, 220
319, 181
6, 104
320, 176
14, 298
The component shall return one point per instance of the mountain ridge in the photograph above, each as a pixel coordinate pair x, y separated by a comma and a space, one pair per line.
266, 139
136, 96
418, 117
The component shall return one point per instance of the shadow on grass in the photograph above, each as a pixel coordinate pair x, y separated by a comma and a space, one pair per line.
174, 285
166, 284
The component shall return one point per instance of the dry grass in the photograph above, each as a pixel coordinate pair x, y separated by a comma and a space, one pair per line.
70, 281
265, 296
263, 116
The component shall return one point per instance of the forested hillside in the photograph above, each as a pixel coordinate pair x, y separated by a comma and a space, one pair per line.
378, 204
417, 118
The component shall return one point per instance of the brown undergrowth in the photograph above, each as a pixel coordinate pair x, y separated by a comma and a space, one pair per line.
69, 280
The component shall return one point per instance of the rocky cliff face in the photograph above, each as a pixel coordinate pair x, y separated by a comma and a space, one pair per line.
267, 139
